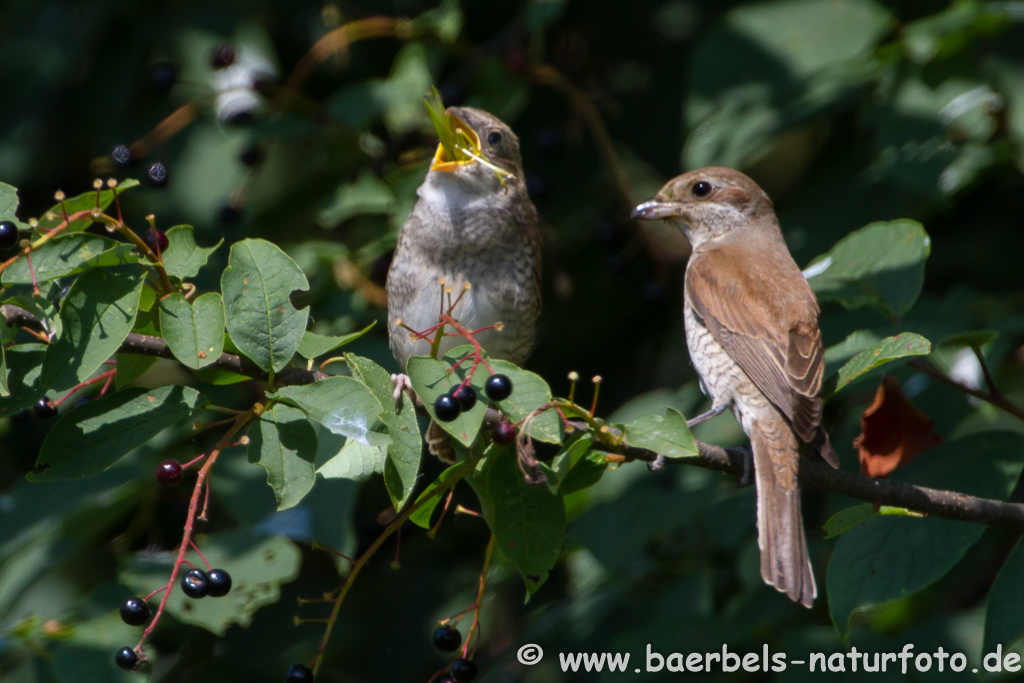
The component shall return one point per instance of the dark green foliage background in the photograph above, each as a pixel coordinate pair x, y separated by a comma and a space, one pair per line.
881, 110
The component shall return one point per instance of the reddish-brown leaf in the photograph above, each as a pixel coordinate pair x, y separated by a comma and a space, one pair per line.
893, 431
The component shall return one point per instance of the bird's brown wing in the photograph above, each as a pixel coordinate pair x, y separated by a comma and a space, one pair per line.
772, 335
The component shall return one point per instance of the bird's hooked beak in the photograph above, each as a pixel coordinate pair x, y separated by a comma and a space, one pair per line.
654, 210
464, 136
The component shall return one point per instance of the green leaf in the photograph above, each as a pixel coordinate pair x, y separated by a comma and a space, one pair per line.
668, 435
1004, 619
83, 202
529, 392
131, 366
423, 514
880, 265
885, 351
183, 258
283, 442
890, 557
353, 460
24, 363
761, 71
97, 315
5, 389
193, 331
258, 567
529, 521
430, 378
343, 405
402, 465
69, 254
314, 345
844, 520
257, 285
8, 202
89, 439
578, 467
367, 195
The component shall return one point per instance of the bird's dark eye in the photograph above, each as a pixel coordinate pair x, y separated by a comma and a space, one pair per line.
493, 138
701, 189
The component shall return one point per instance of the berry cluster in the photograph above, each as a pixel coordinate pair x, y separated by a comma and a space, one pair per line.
196, 583
462, 670
447, 407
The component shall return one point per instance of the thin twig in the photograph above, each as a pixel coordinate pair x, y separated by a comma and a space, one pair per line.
996, 399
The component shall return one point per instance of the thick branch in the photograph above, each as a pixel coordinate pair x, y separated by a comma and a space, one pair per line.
813, 475
817, 475
145, 345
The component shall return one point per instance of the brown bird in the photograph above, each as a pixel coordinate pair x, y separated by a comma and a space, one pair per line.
752, 332
471, 225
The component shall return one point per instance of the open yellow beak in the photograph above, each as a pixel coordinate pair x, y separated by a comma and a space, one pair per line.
442, 161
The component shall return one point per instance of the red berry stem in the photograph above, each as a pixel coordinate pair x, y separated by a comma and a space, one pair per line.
193, 505
474, 627
93, 380
198, 551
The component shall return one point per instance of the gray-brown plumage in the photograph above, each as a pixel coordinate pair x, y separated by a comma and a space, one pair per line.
469, 227
752, 332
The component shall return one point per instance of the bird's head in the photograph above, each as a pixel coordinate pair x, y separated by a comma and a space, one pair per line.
481, 149
709, 203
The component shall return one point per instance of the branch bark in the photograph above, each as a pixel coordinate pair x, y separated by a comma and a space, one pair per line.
146, 345
813, 475
817, 475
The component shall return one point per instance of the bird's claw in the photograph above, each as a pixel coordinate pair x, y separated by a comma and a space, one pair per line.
746, 477
402, 384
658, 464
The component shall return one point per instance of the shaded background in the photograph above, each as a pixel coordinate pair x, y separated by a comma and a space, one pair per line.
845, 111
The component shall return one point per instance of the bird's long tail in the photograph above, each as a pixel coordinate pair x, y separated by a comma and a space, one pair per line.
780, 531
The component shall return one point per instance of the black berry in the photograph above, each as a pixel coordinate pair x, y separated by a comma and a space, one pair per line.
466, 396
498, 387
45, 408
228, 214
463, 670
503, 433
123, 156
162, 76
156, 240
156, 175
126, 659
220, 583
223, 56
447, 639
8, 234
195, 583
299, 673
168, 472
252, 155
134, 611
446, 408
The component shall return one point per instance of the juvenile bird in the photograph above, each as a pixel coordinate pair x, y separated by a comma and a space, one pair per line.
752, 332
472, 225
